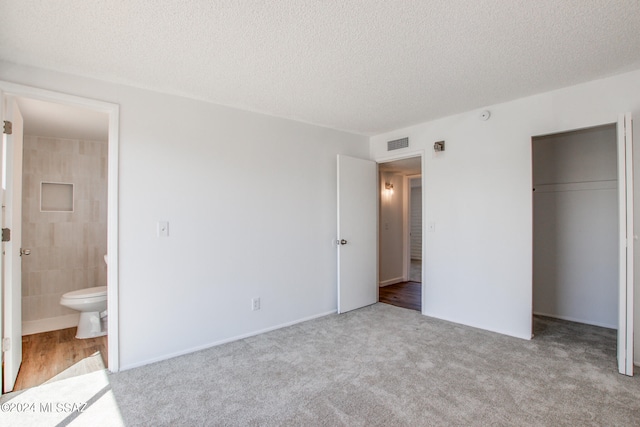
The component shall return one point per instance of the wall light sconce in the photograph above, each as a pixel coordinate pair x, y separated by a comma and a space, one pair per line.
388, 191
438, 146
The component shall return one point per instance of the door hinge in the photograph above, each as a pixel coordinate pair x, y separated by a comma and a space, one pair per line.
8, 127
6, 344
6, 234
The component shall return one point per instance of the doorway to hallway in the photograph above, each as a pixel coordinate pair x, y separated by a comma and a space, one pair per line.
400, 233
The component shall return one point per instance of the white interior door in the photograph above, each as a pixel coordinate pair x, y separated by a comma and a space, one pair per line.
2, 298
626, 239
12, 263
357, 233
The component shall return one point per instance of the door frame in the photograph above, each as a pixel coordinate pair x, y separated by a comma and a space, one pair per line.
113, 113
407, 224
624, 144
406, 241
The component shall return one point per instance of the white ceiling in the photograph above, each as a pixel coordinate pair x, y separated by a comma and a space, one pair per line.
410, 166
61, 121
364, 66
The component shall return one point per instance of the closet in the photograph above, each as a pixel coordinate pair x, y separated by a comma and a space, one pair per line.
575, 226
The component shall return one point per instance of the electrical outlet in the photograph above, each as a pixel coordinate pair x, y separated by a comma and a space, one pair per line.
255, 304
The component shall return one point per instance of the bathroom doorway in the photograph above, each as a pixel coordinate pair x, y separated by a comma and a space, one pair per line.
400, 233
68, 223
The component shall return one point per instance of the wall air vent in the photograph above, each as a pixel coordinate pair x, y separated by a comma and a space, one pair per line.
397, 144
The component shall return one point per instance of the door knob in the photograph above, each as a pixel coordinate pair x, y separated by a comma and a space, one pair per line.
25, 251
343, 242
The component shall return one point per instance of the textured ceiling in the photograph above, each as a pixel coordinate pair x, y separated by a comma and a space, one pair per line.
364, 66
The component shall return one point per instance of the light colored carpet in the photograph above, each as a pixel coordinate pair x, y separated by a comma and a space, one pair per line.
383, 365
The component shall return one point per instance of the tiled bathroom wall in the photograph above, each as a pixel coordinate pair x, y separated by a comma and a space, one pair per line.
67, 248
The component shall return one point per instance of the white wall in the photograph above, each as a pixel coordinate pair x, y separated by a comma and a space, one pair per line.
478, 262
390, 257
575, 226
251, 202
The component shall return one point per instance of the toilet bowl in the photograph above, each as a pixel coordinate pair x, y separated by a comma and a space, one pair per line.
90, 302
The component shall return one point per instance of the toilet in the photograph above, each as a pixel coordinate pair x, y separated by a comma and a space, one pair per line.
92, 305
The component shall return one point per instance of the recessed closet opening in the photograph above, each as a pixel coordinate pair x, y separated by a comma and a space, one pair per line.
575, 227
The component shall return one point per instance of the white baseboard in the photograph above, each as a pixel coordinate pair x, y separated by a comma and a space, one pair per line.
391, 281
31, 327
224, 341
573, 319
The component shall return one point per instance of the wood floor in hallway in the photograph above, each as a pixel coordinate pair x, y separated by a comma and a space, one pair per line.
47, 354
405, 295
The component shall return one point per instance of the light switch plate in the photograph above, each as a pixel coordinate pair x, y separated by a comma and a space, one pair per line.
163, 229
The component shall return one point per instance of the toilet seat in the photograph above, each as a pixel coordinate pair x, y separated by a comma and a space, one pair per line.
90, 302
98, 291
